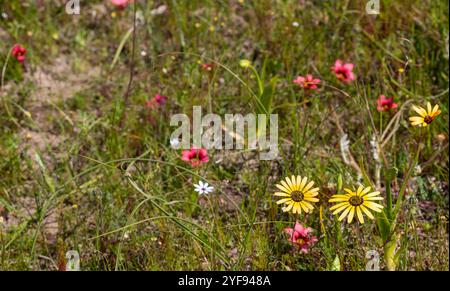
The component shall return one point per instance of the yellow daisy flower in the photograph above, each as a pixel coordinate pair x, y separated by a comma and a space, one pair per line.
426, 116
297, 194
356, 203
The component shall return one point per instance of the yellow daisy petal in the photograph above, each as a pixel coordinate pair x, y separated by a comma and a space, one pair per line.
372, 194
419, 123
435, 110
314, 191
290, 184
359, 214
302, 185
287, 208
342, 207
343, 214
308, 205
351, 214
373, 198
283, 200
302, 204
312, 199
360, 188
294, 184
416, 119
287, 186
307, 187
349, 191
429, 108
372, 205
365, 191
299, 180
366, 211
338, 199
283, 188
336, 206
297, 208
422, 112
341, 196
281, 194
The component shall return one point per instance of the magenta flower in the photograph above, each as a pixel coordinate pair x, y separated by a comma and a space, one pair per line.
158, 100
195, 157
121, 4
386, 104
19, 52
301, 236
307, 83
343, 71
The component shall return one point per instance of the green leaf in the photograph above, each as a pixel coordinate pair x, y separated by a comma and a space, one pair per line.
339, 183
384, 226
365, 177
120, 48
264, 105
336, 266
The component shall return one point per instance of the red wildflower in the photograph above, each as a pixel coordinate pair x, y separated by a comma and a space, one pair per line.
308, 82
195, 157
121, 4
157, 100
386, 104
19, 52
343, 71
301, 236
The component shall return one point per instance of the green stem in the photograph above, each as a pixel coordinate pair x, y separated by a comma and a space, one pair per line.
389, 200
405, 182
389, 253
260, 83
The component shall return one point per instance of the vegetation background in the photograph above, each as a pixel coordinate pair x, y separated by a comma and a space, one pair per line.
86, 166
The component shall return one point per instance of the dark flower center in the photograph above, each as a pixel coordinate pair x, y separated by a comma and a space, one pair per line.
355, 200
297, 196
342, 74
428, 119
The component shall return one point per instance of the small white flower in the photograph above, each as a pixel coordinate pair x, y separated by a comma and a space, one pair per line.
417, 170
295, 24
375, 150
203, 188
159, 10
174, 143
344, 144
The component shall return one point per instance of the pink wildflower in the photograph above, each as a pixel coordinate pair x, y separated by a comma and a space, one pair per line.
157, 100
386, 104
308, 82
343, 71
195, 157
301, 236
19, 52
121, 4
